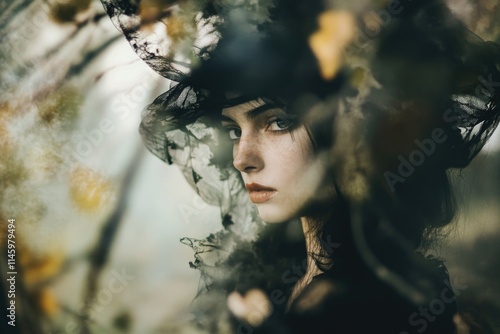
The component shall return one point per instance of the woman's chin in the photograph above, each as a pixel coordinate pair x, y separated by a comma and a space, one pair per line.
274, 215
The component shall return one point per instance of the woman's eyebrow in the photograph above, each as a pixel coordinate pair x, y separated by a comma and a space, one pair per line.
253, 113
225, 118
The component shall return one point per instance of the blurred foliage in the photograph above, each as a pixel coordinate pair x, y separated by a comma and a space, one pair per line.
12, 170
64, 11
89, 190
485, 17
39, 267
39, 113
60, 107
37, 270
336, 30
48, 302
151, 10
481, 16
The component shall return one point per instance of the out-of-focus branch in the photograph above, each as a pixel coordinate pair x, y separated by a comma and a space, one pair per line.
100, 254
77, 68
8, 11
78, 28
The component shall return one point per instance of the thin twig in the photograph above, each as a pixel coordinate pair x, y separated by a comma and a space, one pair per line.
103, 246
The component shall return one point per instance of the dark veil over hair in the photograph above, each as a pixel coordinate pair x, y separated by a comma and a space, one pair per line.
410, 101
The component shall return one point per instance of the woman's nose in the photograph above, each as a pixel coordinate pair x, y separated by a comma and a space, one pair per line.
247, 155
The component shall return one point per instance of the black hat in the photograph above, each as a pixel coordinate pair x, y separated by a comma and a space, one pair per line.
415, 52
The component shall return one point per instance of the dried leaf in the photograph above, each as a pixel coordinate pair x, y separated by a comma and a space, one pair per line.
336, 30
89, 191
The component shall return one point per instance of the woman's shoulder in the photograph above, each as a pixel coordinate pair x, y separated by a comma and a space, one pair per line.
343, 303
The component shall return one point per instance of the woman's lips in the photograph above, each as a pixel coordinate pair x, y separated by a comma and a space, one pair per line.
259, 193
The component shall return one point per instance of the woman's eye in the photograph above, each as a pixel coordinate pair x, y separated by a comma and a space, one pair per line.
234, 133
279, 124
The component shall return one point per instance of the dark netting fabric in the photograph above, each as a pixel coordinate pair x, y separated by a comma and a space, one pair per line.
162, 35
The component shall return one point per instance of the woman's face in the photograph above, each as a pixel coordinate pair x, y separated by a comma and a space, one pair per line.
275, 157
